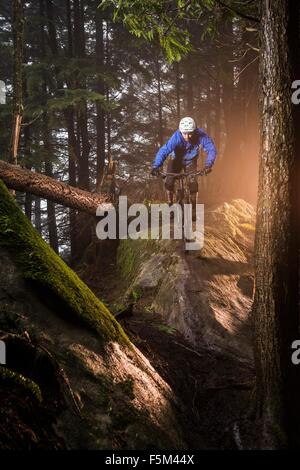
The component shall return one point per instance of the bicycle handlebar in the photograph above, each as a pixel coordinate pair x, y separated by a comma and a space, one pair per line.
183, 175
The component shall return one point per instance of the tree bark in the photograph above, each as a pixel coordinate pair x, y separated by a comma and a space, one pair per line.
189, 87
108, 64
51, 217
51, 27
18, 33
40, 185
46, 131
160, 117
177, 88
37, 215
230, 164
217, 108
82, 118
27, 152
73, 146
247, 96
276, 302
100, 118
28, 197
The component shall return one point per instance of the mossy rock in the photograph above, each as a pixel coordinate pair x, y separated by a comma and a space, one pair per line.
49, 275
131, 254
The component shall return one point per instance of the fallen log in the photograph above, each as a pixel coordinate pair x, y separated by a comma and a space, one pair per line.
22, 179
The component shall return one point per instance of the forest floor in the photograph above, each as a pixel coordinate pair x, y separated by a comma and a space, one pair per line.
213, 389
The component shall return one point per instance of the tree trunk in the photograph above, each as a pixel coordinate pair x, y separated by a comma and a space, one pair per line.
28, 197
189, 89
51, 217
37, 215
22, 179
100, 118
27, 153
217, 108
46, 131
160, 117
82, 119
73, 147
276, 303
18, 33
108, 114
51, 27
177, 88
52, 226
72, 151
230, 164
247, 95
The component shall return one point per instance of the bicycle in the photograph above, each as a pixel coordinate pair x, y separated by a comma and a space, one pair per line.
182, 198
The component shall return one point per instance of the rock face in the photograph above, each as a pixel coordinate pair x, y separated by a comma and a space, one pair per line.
87, 386
205, 294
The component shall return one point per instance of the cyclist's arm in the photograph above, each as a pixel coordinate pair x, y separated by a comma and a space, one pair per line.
209, 147
164, 151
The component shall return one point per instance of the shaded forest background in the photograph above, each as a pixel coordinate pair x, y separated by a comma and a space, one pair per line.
93, 93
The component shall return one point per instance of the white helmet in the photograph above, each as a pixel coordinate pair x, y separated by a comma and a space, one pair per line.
187, 124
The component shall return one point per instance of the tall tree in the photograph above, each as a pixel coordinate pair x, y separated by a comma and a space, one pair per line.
159, 103
46, 131
18, 38
100, 116
276, 303
82, 116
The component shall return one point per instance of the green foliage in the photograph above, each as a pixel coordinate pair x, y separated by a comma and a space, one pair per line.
50, 275
77, 70
167, 21
28, 385
78, 98
165, 328
155, 20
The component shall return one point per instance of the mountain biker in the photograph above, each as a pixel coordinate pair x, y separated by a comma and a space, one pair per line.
183, 148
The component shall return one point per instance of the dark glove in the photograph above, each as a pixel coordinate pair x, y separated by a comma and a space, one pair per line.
154, 172
207, 170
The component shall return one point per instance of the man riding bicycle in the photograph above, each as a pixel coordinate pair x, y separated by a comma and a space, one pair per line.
183, 148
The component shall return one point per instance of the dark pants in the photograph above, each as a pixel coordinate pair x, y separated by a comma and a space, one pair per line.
176, 166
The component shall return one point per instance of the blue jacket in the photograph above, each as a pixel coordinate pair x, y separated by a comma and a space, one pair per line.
177, 147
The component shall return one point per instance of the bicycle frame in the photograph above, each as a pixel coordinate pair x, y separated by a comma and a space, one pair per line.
182, 194
182, 177
180, 198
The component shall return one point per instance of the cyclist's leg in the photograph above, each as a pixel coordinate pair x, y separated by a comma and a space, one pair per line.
193, 185
173, 167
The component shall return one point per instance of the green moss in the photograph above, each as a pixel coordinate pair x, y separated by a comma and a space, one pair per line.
46, 270
165, 328
136, 293
132, 253
28, 385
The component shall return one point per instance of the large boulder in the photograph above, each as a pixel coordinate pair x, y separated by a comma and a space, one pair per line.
206, 294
